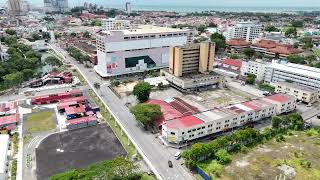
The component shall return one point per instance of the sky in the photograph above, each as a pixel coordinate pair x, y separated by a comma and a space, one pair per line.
199, 3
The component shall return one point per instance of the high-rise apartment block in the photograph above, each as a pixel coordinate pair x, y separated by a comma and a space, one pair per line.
244, 30
55, 5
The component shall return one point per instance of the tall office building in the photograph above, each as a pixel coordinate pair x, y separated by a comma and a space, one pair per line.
128, 7
15, 7
55, 6
244, 30
191, 58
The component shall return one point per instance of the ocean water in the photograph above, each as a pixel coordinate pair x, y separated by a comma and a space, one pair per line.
187, 9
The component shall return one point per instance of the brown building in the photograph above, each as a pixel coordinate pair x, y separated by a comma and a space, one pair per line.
191, 67
191, 58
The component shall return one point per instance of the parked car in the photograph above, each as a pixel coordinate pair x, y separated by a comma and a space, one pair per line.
170, 164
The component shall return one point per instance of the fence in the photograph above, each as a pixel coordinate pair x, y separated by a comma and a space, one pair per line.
203, 174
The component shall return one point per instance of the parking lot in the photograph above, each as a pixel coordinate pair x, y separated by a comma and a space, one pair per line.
76, 149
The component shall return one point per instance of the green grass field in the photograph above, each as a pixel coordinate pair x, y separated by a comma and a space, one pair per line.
39, 122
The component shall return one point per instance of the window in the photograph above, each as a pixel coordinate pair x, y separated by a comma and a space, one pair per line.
198, 128
193, 129
189, 131
203, 127
173, 133
182, 132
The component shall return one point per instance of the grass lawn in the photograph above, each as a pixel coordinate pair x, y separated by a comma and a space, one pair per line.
299, 151
39, 122
115, 127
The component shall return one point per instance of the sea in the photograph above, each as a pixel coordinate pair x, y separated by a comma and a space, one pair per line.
188, 9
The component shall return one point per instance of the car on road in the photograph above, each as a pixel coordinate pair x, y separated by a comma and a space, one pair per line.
177, 155
170, 164
309, 105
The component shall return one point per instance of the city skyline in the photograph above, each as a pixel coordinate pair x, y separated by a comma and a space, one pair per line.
199, 3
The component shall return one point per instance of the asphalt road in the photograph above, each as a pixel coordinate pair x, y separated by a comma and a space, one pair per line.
157, 154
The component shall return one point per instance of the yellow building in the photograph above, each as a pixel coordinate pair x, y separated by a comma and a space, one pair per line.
191, 58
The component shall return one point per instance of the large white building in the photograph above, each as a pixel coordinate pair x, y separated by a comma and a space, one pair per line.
186, 128
299, 74
137, 50
55, 6
115, 24
257, 68
4, 146
244, 30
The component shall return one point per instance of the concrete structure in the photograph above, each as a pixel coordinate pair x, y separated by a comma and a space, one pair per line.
115, 24
190, 67
128, 7
244, 30
257, 68
191, 127
299, 74
191, 58
237, 45
4, 146
137, 50
55, 6
302, 93
15, 7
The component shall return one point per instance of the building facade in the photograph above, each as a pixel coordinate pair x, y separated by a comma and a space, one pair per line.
302, 93
257, 68
115, 24
191, 127
4, 147
191, 58
128, 7
137, 50
190, 67
55, 6
295, 73
244, 30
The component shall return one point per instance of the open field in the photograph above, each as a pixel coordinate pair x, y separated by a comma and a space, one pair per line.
298, 156
39, 122
76, 149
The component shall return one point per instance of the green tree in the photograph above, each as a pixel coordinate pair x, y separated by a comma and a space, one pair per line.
53, 61
73, 34
202, 28
296, 59
271, 29
223, 156
276, 122
249, 52
96, 85
251, 78
307, 43
291, 32
219, 40
142, 91
13, 79
297, 24
11, 32
146, 113
96, 22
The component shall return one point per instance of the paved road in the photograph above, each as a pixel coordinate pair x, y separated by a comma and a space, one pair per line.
157, 154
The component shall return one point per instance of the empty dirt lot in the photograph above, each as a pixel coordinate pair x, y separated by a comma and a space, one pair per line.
76, 149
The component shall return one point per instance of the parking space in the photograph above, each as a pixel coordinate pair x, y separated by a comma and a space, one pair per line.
76, 149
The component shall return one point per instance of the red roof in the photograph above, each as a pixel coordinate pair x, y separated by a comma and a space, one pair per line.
184, 122
75, 110
285, 49
6, 120
81, 120
4, 107
265, 44
167, 110
251, 106
233, 62
279, 98
238, 42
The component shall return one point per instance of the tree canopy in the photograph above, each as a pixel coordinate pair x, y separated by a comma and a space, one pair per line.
291, 32
271, 29
219, 39
296, 59
249, 52
146, 113
118, 168
251, 78
142, 91
11, 32
53, 61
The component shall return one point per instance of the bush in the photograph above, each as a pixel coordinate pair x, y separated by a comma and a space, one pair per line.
115, 83
223, 156
215, 168
312, 132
